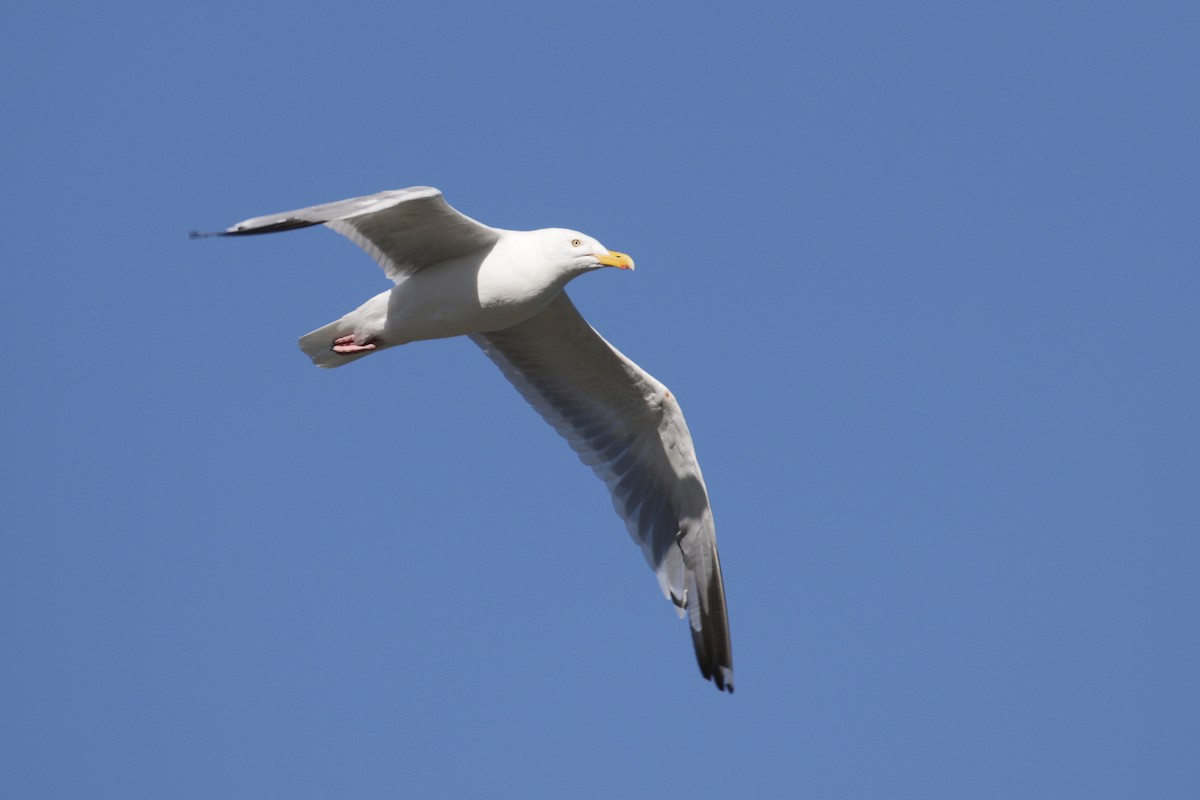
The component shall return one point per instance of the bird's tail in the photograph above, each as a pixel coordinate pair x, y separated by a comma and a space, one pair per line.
318, 344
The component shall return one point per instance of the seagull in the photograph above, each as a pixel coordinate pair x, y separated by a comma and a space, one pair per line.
504, 290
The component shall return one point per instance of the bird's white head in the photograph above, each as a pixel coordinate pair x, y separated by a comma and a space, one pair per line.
580, 251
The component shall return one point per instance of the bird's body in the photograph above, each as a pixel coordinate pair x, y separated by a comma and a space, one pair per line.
504, 289
474, 293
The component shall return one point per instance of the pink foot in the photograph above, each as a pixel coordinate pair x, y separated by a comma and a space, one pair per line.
347, 345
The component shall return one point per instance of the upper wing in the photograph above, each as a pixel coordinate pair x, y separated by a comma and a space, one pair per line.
404, 230
628, 428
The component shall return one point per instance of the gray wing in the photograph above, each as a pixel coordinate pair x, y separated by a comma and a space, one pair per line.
404, 230
628, 428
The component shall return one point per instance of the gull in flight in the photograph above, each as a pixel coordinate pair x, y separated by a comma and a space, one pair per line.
504, 290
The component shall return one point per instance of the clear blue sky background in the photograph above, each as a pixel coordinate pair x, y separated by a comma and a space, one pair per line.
923, 275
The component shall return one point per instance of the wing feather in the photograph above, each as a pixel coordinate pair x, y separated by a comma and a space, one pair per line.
629, 429
404, 230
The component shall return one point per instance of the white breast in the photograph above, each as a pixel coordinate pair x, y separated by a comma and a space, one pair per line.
512, 282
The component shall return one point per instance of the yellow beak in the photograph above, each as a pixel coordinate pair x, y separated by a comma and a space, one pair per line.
614, 259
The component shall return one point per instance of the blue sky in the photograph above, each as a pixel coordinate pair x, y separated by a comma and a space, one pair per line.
924, 278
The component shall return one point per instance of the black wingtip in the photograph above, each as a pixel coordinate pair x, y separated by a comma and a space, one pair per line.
713, 651
721, 676
289, 224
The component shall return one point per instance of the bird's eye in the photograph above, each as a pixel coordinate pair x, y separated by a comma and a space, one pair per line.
575, 243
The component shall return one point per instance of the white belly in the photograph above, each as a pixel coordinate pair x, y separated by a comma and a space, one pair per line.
459, 298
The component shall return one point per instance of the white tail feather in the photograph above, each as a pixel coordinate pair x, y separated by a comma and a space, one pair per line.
318, 345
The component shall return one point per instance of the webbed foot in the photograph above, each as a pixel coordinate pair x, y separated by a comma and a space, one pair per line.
346, 345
